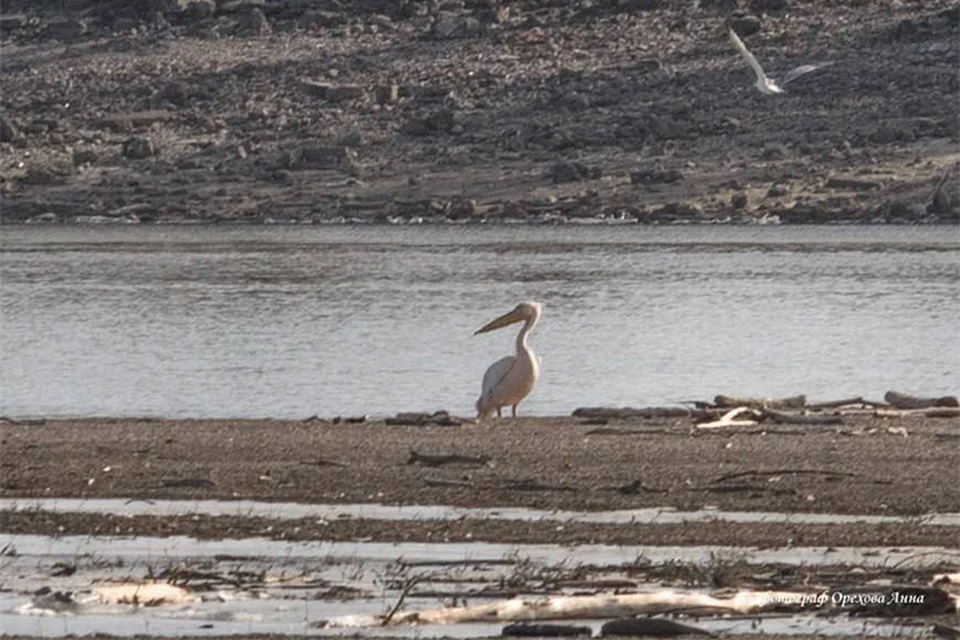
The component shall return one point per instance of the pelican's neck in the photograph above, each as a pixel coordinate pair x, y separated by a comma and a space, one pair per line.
523, 349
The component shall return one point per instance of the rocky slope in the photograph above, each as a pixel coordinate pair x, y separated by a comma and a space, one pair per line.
477, 110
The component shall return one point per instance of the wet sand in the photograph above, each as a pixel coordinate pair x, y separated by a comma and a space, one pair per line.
867, 465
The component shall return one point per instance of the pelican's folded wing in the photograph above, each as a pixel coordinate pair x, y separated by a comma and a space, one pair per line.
496, 374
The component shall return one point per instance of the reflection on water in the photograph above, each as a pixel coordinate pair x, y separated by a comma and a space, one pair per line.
291, 322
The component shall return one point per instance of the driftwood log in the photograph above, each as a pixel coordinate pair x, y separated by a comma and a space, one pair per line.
783, 417
907, 401
728, 419
587, 607
834, 404
607, 413
792, 402
932, 412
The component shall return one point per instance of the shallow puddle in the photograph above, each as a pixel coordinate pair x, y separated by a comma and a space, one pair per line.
268, 586
423, 553
292, 510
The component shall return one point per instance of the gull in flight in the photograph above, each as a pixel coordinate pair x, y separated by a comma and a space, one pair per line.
764, 84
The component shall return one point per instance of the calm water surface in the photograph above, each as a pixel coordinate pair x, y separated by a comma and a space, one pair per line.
296, 321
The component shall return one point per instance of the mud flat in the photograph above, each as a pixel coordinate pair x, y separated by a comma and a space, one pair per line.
278, 528
898, 466
419, 111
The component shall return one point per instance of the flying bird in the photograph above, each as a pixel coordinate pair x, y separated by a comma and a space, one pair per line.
764, 84
510, 379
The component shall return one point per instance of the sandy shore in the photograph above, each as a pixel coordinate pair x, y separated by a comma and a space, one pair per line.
865, 466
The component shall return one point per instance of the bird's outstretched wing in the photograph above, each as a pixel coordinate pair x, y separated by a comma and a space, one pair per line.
793, 74
742, 48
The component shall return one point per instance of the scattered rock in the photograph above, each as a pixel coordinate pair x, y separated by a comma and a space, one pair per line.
239, 6
339, 158
681, 209
668, 127
317, 18
442, 121
534, 630
381, 22
48, 175
9, 132
450, 26
84, 157
133, 120
44, 218
138, 148
891, 133
854, 184
197, 10
769, 6
252, 22
460, 208
739, 201
12, 21
775, 151
334, 93
387, 94
656, 176
65, 30
746, 26
573, 172
639, 5
650, 627
352, 139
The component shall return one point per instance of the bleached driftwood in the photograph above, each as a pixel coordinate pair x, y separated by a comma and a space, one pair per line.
932, 412
907, 401
727, 420
792, 402
148, 594
586, 607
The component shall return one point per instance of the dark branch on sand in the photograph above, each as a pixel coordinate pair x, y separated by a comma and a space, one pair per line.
438, 460
784, 472
411, 583
783, 417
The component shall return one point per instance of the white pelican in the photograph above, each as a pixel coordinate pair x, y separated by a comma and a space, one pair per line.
511, 379
764, 84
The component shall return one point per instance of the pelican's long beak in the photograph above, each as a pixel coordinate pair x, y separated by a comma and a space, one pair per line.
502, 321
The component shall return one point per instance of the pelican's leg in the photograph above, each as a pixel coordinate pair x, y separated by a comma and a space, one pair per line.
514, 410
499, 414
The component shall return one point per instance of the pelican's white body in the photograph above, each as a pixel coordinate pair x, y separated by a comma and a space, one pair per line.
511, 379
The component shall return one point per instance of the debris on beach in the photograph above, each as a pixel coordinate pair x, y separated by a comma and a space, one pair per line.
46, 601
918, 601
423, 419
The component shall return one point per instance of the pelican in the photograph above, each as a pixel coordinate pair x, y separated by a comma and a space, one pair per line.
510, 379
764, 84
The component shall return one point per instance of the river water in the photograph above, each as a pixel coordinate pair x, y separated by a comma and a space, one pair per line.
294, 321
